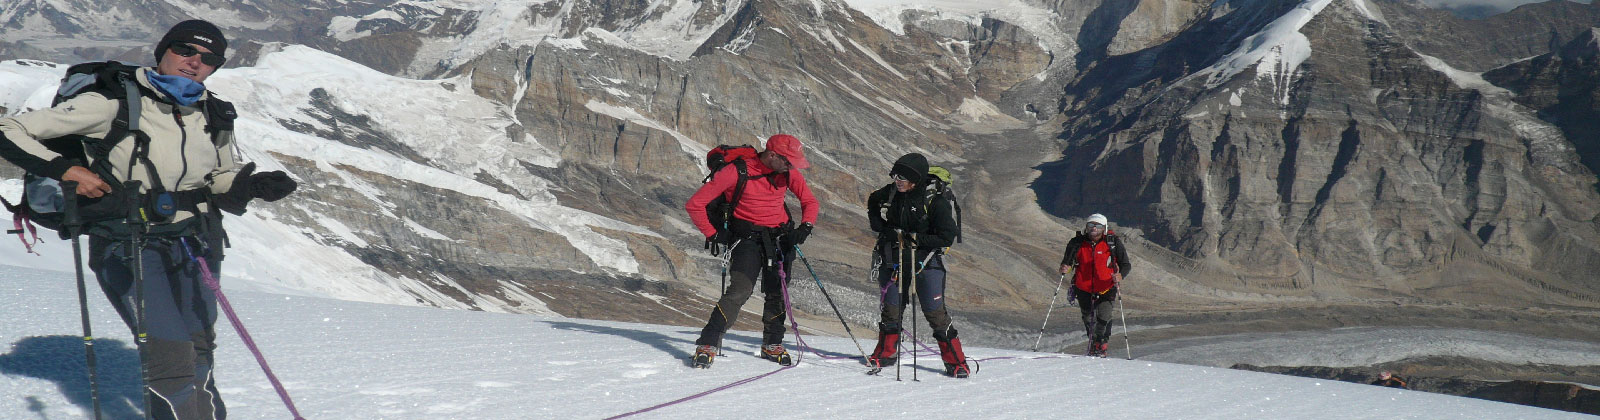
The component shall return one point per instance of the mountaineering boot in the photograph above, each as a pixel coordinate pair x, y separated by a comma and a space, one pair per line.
1097, 349
958, 371
704, 355
955, 361
776, 353
887, 353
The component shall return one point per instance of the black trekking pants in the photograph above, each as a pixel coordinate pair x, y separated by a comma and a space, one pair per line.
930, 293
1097, 311
180, 312
748, 262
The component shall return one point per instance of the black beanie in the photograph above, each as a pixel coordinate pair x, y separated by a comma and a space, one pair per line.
913, 167
197, 32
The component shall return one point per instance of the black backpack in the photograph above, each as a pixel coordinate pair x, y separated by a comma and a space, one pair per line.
42, 197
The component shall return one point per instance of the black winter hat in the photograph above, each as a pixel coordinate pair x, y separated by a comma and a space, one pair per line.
912, 167
197, 32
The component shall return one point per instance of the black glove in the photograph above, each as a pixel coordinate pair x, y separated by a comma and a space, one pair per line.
799, 234
271, 186
247, 185
238, 195
718, 241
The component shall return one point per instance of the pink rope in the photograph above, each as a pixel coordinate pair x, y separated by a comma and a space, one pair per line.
702, 394
24, 227
227, 308
788, 306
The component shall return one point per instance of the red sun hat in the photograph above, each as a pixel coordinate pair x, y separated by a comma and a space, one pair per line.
789, 147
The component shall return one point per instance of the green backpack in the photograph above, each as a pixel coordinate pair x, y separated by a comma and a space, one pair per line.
939, 184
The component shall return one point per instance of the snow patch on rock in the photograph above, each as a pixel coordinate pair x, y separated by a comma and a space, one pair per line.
1275, 52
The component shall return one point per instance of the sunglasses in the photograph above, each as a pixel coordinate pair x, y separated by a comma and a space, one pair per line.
187, 50
1093, 225
897, 177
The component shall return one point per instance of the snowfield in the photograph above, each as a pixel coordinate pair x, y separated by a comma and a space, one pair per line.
277, 256
354, 360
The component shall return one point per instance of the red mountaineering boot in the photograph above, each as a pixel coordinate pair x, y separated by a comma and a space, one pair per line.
955, 361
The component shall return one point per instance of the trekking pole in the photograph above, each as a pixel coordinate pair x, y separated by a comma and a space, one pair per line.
72, 223
1048, 310
238, 326
900, 260
911, 255
135, 219
824, 290
1125, 345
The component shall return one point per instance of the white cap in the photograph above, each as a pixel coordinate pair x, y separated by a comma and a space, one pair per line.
1099, 218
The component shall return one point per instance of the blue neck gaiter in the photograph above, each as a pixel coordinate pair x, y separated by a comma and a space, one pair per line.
182, 90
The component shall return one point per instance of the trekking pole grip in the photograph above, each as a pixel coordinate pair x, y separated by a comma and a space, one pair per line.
69, 210
132, 203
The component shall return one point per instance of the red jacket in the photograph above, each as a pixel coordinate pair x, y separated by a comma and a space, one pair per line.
1095, 262
762, 203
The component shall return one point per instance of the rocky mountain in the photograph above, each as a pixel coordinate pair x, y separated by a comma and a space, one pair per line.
1561, 87
1286, 167
534, 155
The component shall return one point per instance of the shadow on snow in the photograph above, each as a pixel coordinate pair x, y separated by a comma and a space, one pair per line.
60, 359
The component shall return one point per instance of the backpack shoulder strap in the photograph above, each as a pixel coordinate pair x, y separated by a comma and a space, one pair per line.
738, 187
127, 121
1114, 245
117, 82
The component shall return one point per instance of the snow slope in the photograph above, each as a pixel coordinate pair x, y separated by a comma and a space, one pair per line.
350, 360
270, 255
1036, 19
665, 28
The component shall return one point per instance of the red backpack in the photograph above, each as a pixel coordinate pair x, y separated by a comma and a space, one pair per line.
720, 210
723, 155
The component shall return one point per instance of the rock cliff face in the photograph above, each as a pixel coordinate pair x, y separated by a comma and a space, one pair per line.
1561, 87
1316, 175
1494, 41
857, 94
1260, 152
